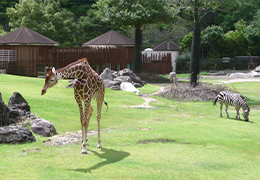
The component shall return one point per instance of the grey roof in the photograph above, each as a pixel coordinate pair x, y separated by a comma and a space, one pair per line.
25, 35
166, 46
110, 38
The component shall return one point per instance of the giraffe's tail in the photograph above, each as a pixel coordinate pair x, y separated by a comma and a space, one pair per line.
106, 104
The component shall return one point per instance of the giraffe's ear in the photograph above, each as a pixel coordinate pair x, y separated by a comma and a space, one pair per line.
53, 69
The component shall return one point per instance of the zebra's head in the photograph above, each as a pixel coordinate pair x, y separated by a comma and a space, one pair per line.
246, 113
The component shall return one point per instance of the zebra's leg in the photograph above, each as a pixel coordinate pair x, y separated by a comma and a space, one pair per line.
221, 110
226, 110
221, 104
238, 115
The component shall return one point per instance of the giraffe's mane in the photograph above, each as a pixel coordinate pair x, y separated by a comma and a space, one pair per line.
73, 64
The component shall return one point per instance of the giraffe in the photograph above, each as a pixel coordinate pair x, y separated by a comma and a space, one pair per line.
87, 85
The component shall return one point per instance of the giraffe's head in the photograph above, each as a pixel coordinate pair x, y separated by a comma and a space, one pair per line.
50, 80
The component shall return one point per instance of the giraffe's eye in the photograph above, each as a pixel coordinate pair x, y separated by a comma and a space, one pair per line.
52, 80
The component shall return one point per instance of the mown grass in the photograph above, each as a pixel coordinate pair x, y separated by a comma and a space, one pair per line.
198, 143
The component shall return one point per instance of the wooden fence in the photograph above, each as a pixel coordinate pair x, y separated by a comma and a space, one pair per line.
157, 63
32, 60
98, 58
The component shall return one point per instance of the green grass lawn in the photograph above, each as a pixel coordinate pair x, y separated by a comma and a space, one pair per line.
178, 140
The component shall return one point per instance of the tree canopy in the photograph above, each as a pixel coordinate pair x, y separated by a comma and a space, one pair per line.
47, 18
73, 22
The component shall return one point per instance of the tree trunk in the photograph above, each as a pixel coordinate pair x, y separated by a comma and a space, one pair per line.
195, 55
138, 48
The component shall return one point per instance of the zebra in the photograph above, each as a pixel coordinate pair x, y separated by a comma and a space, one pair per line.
233, 99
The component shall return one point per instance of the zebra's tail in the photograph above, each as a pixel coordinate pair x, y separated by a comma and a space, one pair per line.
216, 99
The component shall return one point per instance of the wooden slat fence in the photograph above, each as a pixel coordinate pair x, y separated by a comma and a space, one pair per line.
95, 56
157, 63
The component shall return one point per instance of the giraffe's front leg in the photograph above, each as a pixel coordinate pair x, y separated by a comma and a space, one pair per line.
87, 116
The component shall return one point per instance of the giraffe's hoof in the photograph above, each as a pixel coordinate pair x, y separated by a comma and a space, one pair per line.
84, 152
99, 146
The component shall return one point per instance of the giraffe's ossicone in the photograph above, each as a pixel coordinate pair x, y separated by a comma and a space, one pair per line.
87, 85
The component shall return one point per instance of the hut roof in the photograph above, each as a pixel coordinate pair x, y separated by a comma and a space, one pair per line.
166, 46
110, 38
25, 35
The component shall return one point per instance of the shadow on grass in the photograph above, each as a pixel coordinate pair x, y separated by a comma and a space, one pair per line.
242, 120
111, 156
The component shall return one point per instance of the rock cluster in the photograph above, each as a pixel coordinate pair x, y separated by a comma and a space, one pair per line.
113, 79
16, 117
15, 134
17, 107
251, 74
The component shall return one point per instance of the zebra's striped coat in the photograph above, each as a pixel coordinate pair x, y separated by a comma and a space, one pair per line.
233, 99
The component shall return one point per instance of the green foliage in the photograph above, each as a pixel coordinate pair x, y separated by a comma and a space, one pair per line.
2, 32
212, 40
186, 42
235, 42
91, 26
134, 13
253, 33
46, 18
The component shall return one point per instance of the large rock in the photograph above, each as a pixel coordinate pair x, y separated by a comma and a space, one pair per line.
43, 128
3, 111
123, 79
18, 102
107, 74
15, 135
16, 109
239, 75
109, 83
257, 69
134, 78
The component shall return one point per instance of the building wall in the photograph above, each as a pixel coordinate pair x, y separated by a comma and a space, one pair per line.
28, 59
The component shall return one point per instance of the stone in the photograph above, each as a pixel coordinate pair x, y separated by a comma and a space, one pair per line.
123, 79
18, 102
133, 77
14, 134
3, 111
43, 127
137, 85
109, 83
239, 75
257, 69
107, 74
115, 87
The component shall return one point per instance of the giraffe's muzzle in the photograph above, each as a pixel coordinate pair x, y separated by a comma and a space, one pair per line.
43, 91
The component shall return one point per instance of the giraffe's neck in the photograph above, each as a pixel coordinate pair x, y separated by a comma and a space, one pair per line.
74, 70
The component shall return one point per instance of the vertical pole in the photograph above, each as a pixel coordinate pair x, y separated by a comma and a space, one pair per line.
195, 54
137, 52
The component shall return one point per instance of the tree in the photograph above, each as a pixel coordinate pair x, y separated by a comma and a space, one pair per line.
2, 32
91, 26
212, 39
235, 42
135, 13
253, 34
46, 18
197, 9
